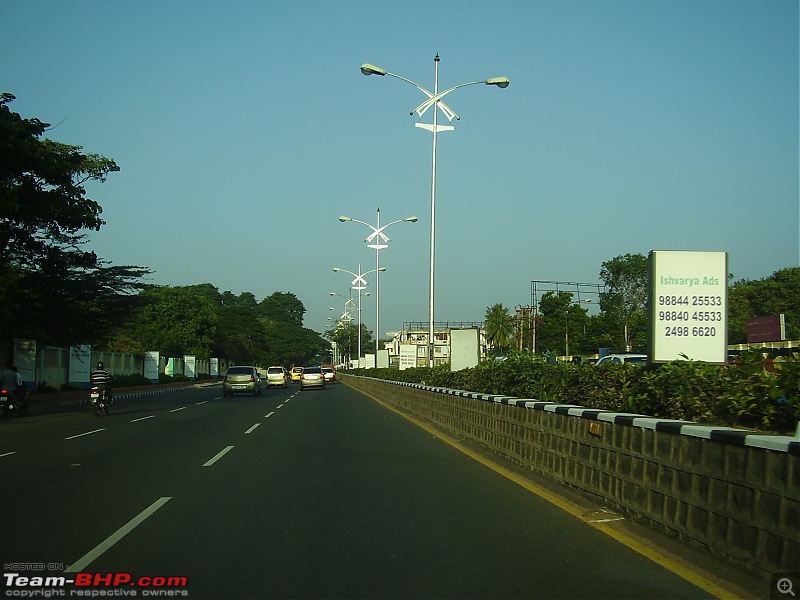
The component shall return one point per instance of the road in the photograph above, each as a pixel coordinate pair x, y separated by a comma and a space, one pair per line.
314, 494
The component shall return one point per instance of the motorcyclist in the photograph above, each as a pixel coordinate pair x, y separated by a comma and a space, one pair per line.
102, 380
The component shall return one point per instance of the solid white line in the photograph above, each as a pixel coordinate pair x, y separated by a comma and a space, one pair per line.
143, 418
267, 416
252, 428
87, 559
218, 456
7, 454
72, 437
177, 409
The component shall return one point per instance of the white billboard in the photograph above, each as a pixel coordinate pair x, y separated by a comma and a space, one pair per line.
688, 306
80, 367
408, 356
151, 360
464, 348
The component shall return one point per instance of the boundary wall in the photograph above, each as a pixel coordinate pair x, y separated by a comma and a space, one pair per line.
733, 493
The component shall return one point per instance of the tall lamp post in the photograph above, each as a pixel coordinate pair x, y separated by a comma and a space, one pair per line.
377, 239
434, 100
359, 283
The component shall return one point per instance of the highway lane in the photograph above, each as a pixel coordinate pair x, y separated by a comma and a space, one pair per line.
319, 494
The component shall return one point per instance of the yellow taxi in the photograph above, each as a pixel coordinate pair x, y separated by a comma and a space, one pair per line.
296, 372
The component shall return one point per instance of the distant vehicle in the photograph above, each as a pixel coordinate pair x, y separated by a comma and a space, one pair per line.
240, 380
296, 373
277, 376
330, 374
618, 359
312, 377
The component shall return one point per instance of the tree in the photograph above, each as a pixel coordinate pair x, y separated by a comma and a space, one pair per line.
173, 320
282, 307
499, 327
625, 301
776, 294
52, 288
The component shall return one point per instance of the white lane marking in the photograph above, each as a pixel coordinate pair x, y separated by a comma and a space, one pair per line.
143, 418
177, 409
199, 403
87, 559
72, 437
7, 454
279, 406
218, 456
252, 428
268, 415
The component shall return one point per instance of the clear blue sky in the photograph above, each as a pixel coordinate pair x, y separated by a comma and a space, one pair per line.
243, 129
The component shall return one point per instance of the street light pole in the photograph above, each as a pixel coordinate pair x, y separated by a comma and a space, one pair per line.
359, 283
378, 240
434, 100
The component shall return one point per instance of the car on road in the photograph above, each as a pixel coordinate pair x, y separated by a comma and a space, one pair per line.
277, 376
330, 374
241, 380
618, 359
312, 377
296, 373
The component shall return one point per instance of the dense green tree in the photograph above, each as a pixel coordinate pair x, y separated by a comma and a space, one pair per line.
282, 307
776, 294
173, 320
53, 289
562, 322
625, 299
499, 328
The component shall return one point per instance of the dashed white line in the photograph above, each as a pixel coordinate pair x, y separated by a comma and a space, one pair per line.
199, 403
87, 559
177, 409
7, 454
143, 418
218, 456
72, 437
268, 415
252, 428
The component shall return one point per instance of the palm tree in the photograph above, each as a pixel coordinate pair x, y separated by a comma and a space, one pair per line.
499, 327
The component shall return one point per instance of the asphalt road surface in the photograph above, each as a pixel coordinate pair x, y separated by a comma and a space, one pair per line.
313, 494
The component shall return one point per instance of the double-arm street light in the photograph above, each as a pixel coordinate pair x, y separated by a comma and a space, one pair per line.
434, 100
359, 283
377, 239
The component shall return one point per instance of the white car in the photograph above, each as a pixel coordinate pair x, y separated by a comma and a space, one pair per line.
277, 376
618, 359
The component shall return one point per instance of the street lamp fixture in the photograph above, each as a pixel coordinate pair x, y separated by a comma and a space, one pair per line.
434, 100
378, 240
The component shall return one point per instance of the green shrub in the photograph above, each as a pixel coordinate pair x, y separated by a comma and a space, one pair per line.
744, 394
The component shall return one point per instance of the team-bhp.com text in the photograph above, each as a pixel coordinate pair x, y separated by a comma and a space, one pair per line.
94, 585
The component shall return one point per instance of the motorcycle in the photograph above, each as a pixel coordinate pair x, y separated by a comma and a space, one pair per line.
13, 402
101, 402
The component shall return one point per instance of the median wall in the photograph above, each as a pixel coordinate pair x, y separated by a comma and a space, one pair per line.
731, 492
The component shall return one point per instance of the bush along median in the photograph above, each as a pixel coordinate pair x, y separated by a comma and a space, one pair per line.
745, 394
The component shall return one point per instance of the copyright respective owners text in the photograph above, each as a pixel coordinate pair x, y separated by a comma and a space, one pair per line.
49, 580
785, 586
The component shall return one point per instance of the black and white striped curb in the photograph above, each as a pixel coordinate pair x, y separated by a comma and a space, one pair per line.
727, 435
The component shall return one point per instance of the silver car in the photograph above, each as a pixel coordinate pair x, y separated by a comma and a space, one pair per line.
277, 376
312, 377
241, 380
